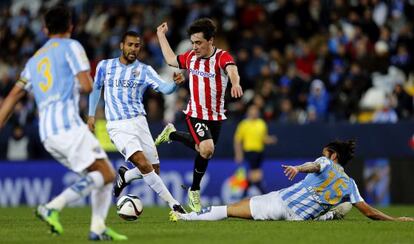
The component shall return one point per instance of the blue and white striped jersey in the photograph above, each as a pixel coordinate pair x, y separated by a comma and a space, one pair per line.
51, 75
318, 192
124, 87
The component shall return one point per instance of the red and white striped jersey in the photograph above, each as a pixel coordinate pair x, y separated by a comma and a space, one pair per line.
208, 82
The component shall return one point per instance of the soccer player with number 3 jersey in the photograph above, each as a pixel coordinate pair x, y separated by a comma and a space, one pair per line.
209, 69
55, 74
326, 193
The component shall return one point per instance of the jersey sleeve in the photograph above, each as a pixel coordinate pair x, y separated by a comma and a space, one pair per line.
225, 59
155, 82
323, 163
76, 56
24, 79
99, 74
182, 60
95, 95
354, 196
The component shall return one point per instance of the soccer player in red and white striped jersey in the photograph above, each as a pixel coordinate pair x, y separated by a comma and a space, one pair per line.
210, 69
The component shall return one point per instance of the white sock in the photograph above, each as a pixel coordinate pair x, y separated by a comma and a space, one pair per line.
132, 174
101, 200
210, 213
79, 189
154, 181
328, 216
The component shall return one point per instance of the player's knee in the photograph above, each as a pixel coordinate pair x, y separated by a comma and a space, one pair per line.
109, 176
206, 155
108, 173
207, 151
105, 168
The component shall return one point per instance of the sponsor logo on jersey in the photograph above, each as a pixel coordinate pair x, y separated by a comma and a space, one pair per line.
123, 83
202, 73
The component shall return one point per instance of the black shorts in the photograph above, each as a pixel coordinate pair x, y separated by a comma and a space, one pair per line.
254, 159
202, 130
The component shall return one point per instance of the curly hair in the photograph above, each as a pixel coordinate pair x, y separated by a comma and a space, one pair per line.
204, 25
344, 149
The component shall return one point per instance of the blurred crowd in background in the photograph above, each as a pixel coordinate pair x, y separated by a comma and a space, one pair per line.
300, 61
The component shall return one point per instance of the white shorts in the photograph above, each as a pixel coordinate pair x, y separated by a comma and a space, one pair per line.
270, 206
132, 135
76, 148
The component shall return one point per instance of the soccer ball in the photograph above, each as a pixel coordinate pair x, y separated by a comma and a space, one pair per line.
129, 207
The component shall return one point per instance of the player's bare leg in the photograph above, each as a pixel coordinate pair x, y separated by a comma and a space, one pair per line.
100, 174
105, 168
240, 209
153, 180
206, 148
101, 199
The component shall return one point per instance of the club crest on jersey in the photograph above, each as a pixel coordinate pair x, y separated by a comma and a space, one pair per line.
135, 73
200, 129
201, 133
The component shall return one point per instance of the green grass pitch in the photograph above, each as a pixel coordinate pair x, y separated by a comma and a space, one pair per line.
18, 225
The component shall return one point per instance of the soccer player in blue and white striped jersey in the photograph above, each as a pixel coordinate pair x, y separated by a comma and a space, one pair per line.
326, 193
125, 80
55, 74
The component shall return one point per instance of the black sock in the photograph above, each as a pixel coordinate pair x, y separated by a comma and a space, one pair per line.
183, 137
200, 167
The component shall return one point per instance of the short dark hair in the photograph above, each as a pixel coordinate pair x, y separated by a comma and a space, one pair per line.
344, 149
129, 33
58, 19
204, 25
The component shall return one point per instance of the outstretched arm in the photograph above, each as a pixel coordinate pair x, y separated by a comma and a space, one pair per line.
168, 87
94, 97
8, 105
166, 49
375, 214
236, 90
309, 167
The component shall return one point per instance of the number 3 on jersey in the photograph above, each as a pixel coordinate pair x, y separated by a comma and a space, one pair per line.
43, 67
